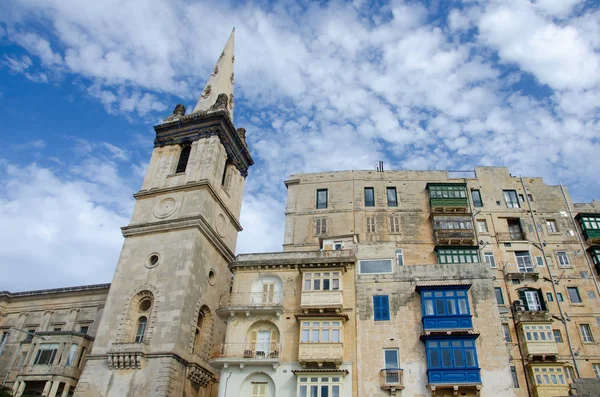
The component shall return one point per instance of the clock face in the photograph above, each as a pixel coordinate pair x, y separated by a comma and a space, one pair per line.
221, 225
165, 207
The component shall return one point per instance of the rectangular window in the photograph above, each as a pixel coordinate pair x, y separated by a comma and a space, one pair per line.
29, 335
321, 332
184, 156
452, 223
549, 375
511, 199
596, 370
476, 194
557, 336
447, 191
399, 257
506, 331
549, 297
524, 263
46, 354
72, 354
538, 333
454, 353
84, 329
563, 259
319, 386
515, 378
376, 266
322, 198
259, 389
559, 297
80, 359
392, 197
499, 296
482, 226
371, 224
394, 223
489, 259
369, 197
529, 197
381, 307
586, 333
551, 226
574, 294
321, 281
539, 261
531, 299
458, 255
320, 226
444, 302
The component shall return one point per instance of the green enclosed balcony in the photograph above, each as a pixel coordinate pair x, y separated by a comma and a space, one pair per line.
448, 197
590, 227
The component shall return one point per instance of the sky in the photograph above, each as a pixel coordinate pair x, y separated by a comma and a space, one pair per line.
432, 84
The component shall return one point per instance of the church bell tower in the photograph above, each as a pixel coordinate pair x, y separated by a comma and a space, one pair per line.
159, 323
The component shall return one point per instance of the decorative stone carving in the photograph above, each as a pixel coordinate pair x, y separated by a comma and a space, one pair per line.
221, 103
221, 225
126, 355
178, 113
222, 55
199, 375
215, 71
233, 59
207, 91
232, 78
242, 133
230, 101
166, 207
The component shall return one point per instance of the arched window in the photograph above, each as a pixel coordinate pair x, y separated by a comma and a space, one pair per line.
184, 156
141, 329
198, 337
203, 332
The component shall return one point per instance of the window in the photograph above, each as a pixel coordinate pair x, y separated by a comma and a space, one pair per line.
538, 333
515, 378
506, 331
457, 255
394, 222
391, 359
321, 198
515, 281
29, 336
80, 359
369, 197
376, 266
559, 297
392, 197
570, 374
515, 232
4, 336
446, 191
259, 389
557, 336
370, 224
539, 261
549, 376
184, 156
57, 329
510, 197
521, 197
563, 259
532, 300
590, 222
72, 354
586, 333
319, 386
320, 226
381, 307
524, 263
321, 332
574, 294
321, 281
337, 245
452, 223
84, 329
549, 297
399, 257
141, 329
476, 195
442, 302
482, 226
529, 197
499, 296
551, 226
489, 259
46, 354
596, 370
451, 354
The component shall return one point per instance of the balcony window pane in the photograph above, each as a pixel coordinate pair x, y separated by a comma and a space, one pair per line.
429, 307
434, 358
439, 305
314, 390
335, 335
326, 284
325, 335
307, 285
462, 306
315, 335
72, 355
451, 306
470, 356
446, 358
335, 391
305, 334
458, 358
336, 284
324, 391
303, 391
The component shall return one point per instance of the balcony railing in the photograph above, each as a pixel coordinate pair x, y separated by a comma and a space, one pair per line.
247, 351
263, 302
522, 316
512, 270
452, 237
126, 355
321, 299
447, 323
321, 353
508, 236
544, 349
391, 378
454, 376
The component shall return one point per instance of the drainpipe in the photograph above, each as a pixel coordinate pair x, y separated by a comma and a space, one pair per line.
541, 247
589, 262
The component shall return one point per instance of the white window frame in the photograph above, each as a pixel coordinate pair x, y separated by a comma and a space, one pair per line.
480, 223
321, 328
52, 347
318, 380
596, 368
538, 333
586, 333
318, 278
524, 269
488, 255
399, 257
551, 226
394, 223
395, 350
563, 259
360, 266
371, 224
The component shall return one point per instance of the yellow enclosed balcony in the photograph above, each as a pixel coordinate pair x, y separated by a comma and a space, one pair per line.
549, 380
321, 340
322, 290
538, 341
321, 353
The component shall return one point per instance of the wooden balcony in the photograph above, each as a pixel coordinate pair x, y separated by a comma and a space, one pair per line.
321, 353
522, 316
592, 236
246, 354
544, 350
549, 380
449, 205
250, 303
391, 379
321, 300
511, 270
453, 237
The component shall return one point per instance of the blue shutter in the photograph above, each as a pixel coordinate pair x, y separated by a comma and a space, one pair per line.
381, 307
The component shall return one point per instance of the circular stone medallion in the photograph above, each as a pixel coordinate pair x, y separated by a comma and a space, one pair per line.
165, 208
221, 225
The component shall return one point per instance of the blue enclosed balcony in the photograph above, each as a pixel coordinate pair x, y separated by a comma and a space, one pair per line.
445, 308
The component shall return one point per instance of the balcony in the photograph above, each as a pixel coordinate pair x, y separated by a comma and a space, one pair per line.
544, 350
246, 354
522, 316
447, 323
321, 353
126, 355
549, 380
511, 270
506, 237
321, 300
449, 205
454, 376
538, 340
391, 379
250, 302
68, 371
451, 237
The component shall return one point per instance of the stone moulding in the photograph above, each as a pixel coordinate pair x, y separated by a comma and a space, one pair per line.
200, 375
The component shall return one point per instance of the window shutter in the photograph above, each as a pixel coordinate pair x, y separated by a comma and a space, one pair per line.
253, 337
385, 308
523, 298
381, 310
541, 297
376, 307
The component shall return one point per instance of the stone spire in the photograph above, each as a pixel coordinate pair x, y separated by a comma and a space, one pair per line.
218, 93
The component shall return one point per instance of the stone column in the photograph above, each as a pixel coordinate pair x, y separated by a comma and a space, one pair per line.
54, 388
65, 392
47, 388
15, 387
20, 390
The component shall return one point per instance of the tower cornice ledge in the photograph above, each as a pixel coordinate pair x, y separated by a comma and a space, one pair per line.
204, 124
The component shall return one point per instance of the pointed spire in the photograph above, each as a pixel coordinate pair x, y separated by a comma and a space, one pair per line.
220, 81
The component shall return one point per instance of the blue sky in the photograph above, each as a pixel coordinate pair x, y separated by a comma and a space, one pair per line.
319, 86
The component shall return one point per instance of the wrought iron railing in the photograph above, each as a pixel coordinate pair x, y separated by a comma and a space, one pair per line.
247, 351
391, 377
253, 299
